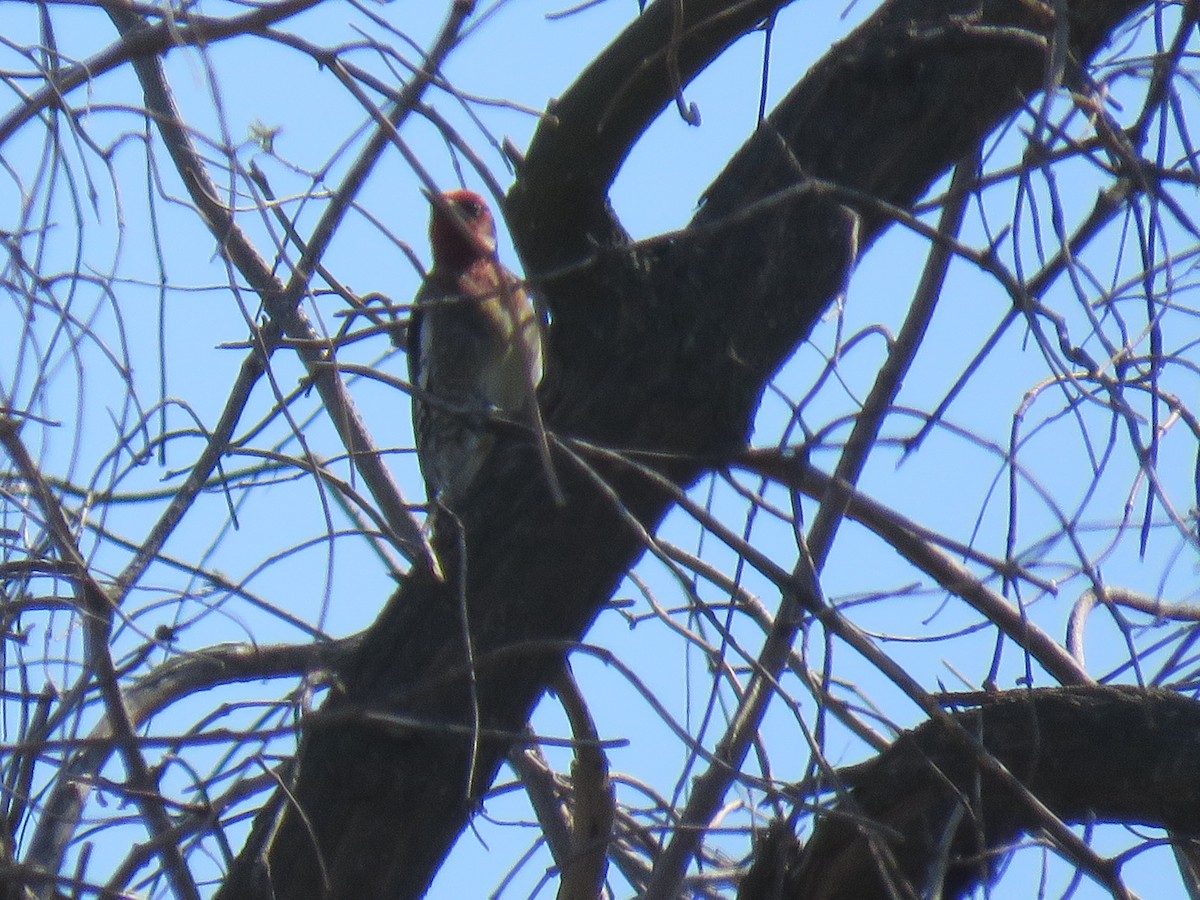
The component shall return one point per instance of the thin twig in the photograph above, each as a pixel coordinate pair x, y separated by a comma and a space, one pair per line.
96, 613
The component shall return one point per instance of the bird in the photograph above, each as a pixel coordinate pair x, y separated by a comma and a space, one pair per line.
474, 348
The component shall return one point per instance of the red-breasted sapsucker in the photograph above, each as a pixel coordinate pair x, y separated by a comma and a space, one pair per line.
474, 347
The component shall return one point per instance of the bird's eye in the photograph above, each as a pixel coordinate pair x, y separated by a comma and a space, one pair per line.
471, 209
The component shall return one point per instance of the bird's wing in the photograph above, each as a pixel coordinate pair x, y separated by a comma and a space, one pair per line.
414, 341
420, 335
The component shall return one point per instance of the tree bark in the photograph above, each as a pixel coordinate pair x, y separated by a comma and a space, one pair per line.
925, 815
659, 350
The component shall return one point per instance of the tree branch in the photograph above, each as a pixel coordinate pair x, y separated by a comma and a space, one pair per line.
906, 798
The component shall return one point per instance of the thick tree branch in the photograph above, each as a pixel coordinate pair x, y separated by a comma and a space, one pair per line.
561, 195
928, 799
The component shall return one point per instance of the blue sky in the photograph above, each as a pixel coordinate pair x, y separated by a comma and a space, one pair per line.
956, 484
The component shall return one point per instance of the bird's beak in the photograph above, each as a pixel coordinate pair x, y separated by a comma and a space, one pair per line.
428, 194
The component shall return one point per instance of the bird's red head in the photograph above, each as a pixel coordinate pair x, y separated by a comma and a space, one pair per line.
451, 248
